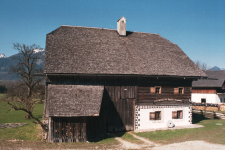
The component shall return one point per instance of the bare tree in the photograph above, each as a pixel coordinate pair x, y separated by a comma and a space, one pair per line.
40, 92
203, 66
20, 94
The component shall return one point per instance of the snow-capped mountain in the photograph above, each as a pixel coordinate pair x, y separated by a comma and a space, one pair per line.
38, 50
215, 68
8, 61
2, 55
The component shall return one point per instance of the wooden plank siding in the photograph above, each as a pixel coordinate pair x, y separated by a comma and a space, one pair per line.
118, 104
168, 94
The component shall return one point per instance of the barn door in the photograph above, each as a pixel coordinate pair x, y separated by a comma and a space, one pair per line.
69, 129
120, 115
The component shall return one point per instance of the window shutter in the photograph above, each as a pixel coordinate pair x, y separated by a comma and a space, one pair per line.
159, 118
174, 114
152, 116
152, 89
181, 115
176, 90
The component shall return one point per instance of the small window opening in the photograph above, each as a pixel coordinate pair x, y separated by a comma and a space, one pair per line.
181, 90
155, 115
203, 100
177, 114
157, 90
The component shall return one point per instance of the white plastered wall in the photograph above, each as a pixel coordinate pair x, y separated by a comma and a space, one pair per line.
210, 98
142, 120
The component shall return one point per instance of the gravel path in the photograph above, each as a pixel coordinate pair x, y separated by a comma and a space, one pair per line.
189, 145
128, 145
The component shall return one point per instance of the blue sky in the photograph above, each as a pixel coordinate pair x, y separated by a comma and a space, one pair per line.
196, 26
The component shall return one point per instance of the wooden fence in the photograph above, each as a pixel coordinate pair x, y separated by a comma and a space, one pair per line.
208, 114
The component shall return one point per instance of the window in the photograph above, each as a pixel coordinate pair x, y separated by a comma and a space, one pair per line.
156, 90
155, 115
203, 100
179, 90
177, 114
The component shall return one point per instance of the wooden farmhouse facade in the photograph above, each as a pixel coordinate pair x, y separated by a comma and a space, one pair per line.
209, 91
103, 80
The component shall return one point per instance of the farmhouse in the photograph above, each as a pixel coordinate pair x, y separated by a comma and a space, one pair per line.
209, 91
103, 80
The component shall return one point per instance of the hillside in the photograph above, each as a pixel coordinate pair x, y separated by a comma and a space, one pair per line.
5, 64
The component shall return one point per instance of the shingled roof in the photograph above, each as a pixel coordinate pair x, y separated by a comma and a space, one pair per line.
74, 100
220, 75
82, 50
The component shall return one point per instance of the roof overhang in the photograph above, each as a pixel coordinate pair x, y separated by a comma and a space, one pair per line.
126, 75
74, 100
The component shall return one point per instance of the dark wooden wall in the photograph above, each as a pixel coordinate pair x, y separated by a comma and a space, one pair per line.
121, 94
167, 95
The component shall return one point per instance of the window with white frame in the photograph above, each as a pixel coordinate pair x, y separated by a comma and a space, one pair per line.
177, 114
155, 115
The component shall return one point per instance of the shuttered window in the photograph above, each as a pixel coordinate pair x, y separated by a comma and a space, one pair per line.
155, 115
176, 90
156, 90
152, 115
152, 90
179, 90
177, 114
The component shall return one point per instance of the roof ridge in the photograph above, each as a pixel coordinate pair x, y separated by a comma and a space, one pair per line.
106, 29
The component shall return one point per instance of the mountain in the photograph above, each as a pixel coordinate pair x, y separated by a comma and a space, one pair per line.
2, 55
215, 68
6, 62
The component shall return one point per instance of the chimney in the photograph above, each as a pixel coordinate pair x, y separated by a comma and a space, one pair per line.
121, 26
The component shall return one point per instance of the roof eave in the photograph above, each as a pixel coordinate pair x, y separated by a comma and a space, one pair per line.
125, 75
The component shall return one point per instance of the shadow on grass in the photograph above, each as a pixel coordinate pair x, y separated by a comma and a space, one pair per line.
198, 118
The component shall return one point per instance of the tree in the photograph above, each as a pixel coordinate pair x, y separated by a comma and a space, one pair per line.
20, 94
203, 66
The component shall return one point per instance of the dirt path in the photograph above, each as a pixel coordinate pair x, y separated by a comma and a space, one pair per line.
146, 141
191, 145
128, 145
188, 145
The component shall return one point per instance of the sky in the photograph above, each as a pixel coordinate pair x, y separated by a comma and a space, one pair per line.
196, 26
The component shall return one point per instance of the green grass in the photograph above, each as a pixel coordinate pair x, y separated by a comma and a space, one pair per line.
30, 133
211, 132
2, 95
27, 132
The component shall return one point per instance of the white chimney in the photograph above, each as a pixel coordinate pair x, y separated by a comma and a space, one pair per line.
121, 26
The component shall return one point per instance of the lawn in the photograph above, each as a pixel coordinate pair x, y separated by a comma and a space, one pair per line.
27, 132
30, 134
213, 132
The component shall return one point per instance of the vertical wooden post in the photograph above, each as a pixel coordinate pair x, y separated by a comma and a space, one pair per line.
60, 130
72, 129
50, 131
76, 129
84, 129
69, 135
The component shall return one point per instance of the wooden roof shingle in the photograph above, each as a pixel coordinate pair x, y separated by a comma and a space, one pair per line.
82, 50
74, 100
